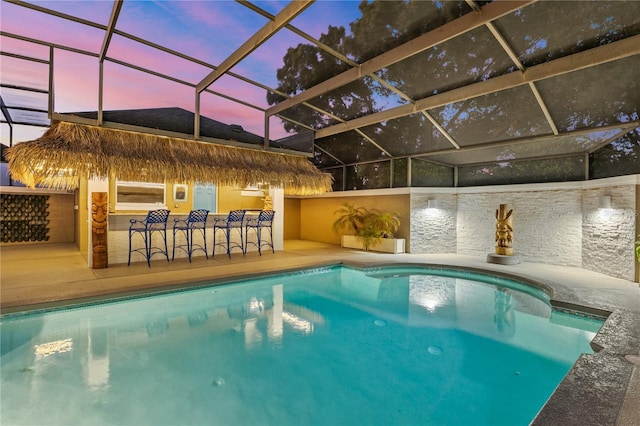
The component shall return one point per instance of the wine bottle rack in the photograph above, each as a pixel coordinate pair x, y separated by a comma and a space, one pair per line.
24, 218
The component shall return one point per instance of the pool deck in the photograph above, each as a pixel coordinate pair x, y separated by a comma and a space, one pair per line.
601, 389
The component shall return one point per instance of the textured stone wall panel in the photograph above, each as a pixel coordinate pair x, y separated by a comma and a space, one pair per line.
547, 225
608, 235
433, 230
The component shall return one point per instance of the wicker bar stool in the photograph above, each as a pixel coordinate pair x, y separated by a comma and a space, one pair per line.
196, 221
154, 223
262, 226
233, 222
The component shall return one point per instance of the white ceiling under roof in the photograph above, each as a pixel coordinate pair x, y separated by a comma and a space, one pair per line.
452, 83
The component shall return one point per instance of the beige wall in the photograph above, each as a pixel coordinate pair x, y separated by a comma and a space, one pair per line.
230, 198
179, 207
317, 215
82, 216
291, 219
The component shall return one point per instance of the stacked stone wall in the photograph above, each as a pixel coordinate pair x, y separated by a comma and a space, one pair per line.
433, 230
547, 225
608, 235
560, 227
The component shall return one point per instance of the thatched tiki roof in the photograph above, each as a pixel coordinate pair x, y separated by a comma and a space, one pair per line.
68, 151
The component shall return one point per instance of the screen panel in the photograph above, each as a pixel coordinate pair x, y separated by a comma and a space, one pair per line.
526, 171
426, 173
368, 176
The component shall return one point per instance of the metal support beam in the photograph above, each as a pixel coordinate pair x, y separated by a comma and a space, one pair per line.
297, 123
327, 153
543, 107
451, 29
624, 128
56, 13
27, 89
623, 131
301, 33
29, 109
505, 46
344, 59
292, 10
51, 105
196, 117
599, 55
391, 169
48, 44
266, 132
374, 143
441, 129
115, 12
100, 91
586, 166
23, 123
6, 113
25, 58
174, 53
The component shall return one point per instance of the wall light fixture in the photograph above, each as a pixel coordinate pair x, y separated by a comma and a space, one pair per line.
604, 202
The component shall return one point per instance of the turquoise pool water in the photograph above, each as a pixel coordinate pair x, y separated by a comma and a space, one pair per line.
331, 346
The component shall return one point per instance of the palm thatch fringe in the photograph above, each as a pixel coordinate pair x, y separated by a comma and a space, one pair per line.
68, 151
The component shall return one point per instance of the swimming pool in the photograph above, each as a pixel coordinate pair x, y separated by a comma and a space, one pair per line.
327, 346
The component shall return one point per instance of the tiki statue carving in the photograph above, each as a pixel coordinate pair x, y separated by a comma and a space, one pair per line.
504, 231
268, 203
99, 220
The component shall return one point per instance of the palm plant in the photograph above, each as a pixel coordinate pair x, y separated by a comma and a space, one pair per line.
369, 225
350, 218
385, 223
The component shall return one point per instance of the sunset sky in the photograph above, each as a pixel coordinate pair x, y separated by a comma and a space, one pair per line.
206, 30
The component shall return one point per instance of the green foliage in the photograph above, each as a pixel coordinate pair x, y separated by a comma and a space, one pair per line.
370, 225
638, 249
350, 219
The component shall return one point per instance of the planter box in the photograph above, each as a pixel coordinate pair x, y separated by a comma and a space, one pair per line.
386, 245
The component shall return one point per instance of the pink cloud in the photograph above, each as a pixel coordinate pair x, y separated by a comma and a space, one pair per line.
29, 23
239, 89
153, 59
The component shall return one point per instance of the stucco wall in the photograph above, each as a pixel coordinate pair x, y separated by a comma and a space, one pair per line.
317, 215
291, 219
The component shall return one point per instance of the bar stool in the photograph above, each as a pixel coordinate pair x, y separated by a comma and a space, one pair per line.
196, 221
233, 221
155, 222
264, 221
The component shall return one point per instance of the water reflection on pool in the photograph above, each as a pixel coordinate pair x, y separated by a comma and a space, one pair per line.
326, 346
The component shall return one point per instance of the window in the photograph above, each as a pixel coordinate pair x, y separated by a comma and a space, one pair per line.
140, 195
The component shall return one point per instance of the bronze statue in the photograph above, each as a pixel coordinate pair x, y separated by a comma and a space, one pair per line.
99, 220
504, 231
